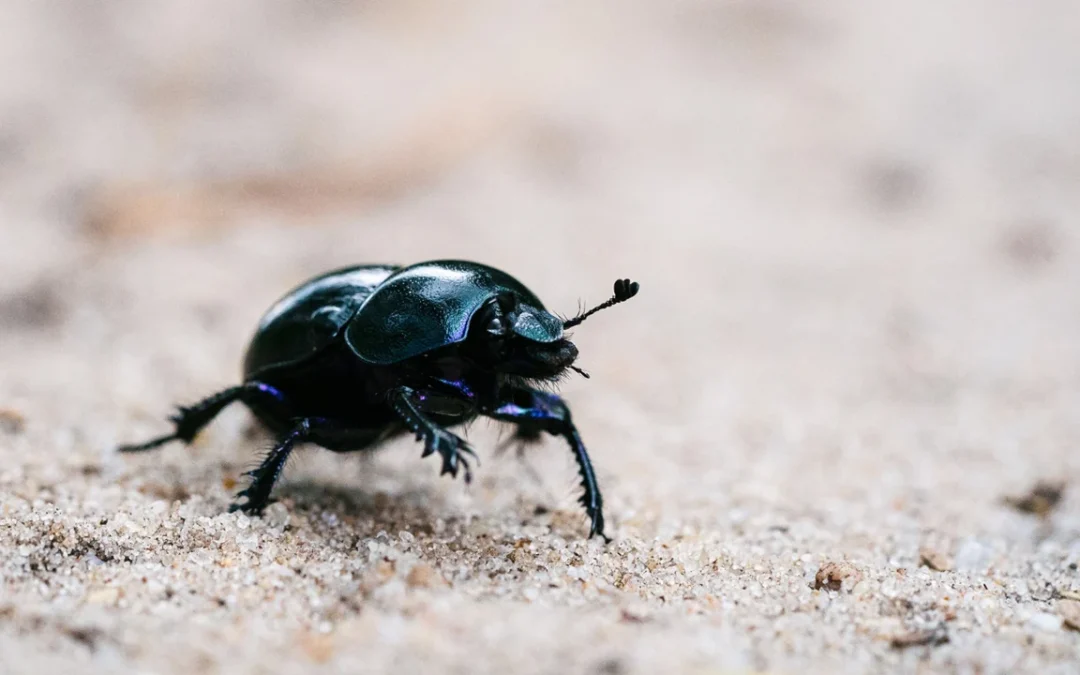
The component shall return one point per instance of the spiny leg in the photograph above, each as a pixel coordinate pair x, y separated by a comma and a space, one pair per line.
266, 474
591, 499
532, 410
404, 401
190, 421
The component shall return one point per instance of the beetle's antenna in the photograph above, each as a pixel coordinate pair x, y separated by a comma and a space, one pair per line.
624, 290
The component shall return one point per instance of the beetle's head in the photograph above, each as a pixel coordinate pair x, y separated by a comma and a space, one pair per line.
514, 338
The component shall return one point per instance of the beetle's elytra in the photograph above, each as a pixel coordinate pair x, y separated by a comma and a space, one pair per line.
353, 357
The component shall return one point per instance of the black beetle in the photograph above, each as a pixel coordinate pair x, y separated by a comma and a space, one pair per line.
358, 355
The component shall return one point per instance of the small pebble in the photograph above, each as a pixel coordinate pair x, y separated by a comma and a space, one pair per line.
931, 637
935, 560
423, 575
12, 421
1069, 610
834, 576
1041, 500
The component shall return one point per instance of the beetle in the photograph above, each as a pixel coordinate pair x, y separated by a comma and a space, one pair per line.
359, 355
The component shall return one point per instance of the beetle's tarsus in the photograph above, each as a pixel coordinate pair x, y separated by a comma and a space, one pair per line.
435, 438
149, 445
453, 450
248, 507
459, 461
597, 528
266, 474
189, 421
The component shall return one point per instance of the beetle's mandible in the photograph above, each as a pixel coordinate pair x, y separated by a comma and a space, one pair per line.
358, 355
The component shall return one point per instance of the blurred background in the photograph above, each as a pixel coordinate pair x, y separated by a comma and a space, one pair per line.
854, 225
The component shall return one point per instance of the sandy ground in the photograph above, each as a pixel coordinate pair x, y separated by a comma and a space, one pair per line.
859, 332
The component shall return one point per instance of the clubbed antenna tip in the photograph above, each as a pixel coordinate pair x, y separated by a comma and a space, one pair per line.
624, 290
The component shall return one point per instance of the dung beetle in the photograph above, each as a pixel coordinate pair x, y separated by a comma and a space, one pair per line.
359, 355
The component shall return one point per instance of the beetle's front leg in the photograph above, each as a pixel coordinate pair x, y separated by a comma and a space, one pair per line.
407, 403
535, 411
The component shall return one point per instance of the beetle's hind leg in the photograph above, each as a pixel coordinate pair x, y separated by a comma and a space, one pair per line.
266, 474
190, 420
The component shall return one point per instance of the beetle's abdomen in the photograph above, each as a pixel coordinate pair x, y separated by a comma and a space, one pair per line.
309, 317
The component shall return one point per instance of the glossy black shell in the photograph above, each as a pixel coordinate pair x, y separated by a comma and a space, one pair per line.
388, 314
310, 316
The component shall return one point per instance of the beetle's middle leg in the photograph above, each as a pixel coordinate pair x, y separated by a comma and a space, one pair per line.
406, 402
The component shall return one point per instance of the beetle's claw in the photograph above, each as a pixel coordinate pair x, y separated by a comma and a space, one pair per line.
246, 507
450, 463
252, 506
465, 469
453, 451
448, 467
596, 527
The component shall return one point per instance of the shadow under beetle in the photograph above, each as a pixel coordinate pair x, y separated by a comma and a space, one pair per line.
358, 355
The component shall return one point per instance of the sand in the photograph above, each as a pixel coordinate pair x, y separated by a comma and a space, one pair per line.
855, 230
